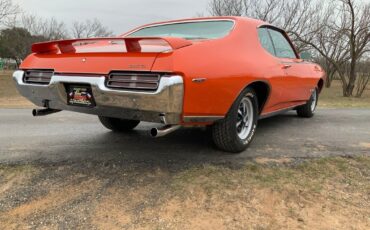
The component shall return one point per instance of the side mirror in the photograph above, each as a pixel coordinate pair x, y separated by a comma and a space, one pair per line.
306, 55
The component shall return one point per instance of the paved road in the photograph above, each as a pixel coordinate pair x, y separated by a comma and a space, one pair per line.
76, 137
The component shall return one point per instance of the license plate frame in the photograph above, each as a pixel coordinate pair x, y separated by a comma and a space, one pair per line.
80, 95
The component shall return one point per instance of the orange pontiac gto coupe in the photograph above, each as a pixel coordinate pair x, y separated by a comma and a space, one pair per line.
221, 72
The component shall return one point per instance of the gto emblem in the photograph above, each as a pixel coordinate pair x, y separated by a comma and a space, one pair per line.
137, 66
83, 59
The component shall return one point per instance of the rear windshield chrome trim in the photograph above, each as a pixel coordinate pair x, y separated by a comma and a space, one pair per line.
182, 22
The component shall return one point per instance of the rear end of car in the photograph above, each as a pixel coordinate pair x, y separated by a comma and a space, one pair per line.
109, 77
177, 73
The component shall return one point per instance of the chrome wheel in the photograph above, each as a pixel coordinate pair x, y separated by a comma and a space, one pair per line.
236, 131
314, 101
245, 118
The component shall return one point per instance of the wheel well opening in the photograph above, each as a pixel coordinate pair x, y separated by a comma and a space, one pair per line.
320, 85
262, 90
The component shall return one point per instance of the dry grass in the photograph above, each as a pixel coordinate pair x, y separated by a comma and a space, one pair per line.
328, 193
330, 98
9, 96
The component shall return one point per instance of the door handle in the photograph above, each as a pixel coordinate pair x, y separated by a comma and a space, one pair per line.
286, 66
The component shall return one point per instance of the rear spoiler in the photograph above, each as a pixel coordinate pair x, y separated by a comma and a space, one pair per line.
132, 44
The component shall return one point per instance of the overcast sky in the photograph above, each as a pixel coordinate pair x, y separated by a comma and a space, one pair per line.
118, 15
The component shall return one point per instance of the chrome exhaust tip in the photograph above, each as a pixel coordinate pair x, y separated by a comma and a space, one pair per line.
163, 131
44, 112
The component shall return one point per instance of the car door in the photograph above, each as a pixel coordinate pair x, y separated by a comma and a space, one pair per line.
295, 69
273, 71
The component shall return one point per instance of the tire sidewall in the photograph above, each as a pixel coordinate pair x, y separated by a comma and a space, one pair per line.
316, 102
306, 111
252, 96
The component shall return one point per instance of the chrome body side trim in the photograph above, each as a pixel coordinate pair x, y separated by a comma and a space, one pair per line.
136, 105
202, 119
278, 112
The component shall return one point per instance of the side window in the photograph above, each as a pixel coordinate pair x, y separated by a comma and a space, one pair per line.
282, 46
265, 40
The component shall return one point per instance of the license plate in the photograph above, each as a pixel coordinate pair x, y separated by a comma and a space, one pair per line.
80, 95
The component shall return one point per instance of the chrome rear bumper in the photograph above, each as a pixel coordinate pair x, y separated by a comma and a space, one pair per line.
162, 106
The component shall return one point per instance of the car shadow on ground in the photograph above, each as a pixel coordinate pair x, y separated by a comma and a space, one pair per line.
186, 144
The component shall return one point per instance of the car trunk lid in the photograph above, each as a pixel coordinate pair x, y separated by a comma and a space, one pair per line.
101, 55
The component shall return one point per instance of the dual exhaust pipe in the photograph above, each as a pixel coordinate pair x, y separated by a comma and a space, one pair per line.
44, 112
163, 131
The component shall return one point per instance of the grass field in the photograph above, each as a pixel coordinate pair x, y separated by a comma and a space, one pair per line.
327, 193
9, 96
330, 98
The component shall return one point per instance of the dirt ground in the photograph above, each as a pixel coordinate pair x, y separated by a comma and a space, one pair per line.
328, 193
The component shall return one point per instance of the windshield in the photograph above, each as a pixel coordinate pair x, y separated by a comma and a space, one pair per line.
187, 30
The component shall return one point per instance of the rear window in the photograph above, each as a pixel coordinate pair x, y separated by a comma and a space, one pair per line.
188, 30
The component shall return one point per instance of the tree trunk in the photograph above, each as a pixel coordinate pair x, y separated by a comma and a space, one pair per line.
329, 79
345, 91
348, 92
362, 83
349, 89
344, 82
328, 83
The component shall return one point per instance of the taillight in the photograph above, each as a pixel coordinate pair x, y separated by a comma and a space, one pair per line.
41, 77
134, 81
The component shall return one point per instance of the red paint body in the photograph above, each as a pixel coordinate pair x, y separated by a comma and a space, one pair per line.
229, 65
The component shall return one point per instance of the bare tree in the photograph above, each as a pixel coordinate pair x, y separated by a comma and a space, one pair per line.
7, 10
227, 7
332, 49
354, 26
90, 28
49, 28
363, 78
291, 15
343, 40
338, 31
267, 10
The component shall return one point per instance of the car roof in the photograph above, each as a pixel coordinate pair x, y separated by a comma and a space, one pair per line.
250, 21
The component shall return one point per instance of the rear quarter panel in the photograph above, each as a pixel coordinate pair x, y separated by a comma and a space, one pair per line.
229, 65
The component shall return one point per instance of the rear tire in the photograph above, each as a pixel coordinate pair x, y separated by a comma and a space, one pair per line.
308, 110
234, 133
118, 125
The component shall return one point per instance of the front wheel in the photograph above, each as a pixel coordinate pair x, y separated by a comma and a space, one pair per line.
118, 125
308, 110
235, 132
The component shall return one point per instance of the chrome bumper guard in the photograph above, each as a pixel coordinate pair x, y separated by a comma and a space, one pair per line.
162, 106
